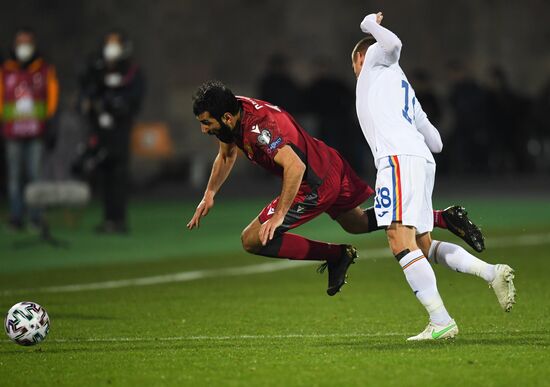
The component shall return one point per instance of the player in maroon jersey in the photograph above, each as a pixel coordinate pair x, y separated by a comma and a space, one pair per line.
316, 179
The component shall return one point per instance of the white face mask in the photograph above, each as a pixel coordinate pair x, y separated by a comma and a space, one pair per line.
24, 51
112, 51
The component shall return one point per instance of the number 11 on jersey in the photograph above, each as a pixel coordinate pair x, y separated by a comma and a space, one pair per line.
405, 111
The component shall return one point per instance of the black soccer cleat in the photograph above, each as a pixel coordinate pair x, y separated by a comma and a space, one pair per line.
337, 270
458, 223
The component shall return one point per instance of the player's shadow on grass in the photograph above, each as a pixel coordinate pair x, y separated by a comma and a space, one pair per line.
388, 345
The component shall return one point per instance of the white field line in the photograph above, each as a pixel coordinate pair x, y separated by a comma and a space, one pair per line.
269, 267
234, 337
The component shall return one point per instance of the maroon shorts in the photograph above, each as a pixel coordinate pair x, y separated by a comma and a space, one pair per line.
340, 191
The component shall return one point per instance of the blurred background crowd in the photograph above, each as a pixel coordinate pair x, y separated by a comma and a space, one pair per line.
99, 92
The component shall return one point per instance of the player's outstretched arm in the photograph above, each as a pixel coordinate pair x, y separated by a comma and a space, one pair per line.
223, 164
388, 41
293, 174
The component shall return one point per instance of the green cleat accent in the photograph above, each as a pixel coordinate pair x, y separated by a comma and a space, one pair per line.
437, 332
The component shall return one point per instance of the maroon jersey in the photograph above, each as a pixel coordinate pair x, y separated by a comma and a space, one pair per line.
266, 128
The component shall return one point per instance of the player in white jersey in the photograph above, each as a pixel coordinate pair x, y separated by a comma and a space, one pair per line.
402, 141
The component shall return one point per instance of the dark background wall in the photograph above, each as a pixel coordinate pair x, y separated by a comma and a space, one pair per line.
182, 43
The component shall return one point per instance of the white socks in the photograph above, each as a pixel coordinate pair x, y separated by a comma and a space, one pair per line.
421, 278
456, 258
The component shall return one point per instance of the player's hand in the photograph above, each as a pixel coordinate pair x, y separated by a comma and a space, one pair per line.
267, 230
373, 17
202, 210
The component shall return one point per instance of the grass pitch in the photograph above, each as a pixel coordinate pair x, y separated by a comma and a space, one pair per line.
229, 327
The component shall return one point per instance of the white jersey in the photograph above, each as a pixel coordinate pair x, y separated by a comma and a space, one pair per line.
390, 116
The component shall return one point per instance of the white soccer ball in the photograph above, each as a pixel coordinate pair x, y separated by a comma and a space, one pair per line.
27, 323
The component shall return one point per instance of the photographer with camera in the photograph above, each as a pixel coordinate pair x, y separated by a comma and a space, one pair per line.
111, 93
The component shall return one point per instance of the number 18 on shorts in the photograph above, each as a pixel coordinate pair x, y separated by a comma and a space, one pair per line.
404, 186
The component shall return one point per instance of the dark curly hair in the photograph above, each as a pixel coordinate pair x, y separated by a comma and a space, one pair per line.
214, 97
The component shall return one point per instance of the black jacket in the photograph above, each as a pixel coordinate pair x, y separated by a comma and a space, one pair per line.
111, 97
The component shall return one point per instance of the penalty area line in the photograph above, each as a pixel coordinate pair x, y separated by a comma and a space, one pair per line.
289, 336
185, 276
218, 338
268, 267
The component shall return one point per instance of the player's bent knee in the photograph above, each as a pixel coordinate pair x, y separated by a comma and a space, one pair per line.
401, 240
248, 242
250, 248
397, 246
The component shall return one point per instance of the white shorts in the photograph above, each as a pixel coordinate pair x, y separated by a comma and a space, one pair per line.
404, 186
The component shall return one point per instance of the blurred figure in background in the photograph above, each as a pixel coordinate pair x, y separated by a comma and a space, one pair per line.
431, 104
111, 93
29, 93
470, 130
539, 122
507, 110
279, 87
424, 89
3, 169
331, 102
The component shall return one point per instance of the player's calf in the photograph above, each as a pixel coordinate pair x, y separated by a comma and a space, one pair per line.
292, 246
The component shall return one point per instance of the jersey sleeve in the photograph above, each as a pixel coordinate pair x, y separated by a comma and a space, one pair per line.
432, 138
388, 48
269, 137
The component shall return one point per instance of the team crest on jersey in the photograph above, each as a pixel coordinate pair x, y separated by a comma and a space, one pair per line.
265, 137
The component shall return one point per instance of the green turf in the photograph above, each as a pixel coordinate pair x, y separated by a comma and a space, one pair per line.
159, 232
269, 329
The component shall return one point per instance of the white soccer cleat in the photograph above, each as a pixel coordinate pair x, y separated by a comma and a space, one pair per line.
437, 332
503, 285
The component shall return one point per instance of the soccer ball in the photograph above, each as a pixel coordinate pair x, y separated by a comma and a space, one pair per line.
27, 323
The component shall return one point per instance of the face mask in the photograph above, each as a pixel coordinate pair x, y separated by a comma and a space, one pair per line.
112, 52
113, 80
24, 52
